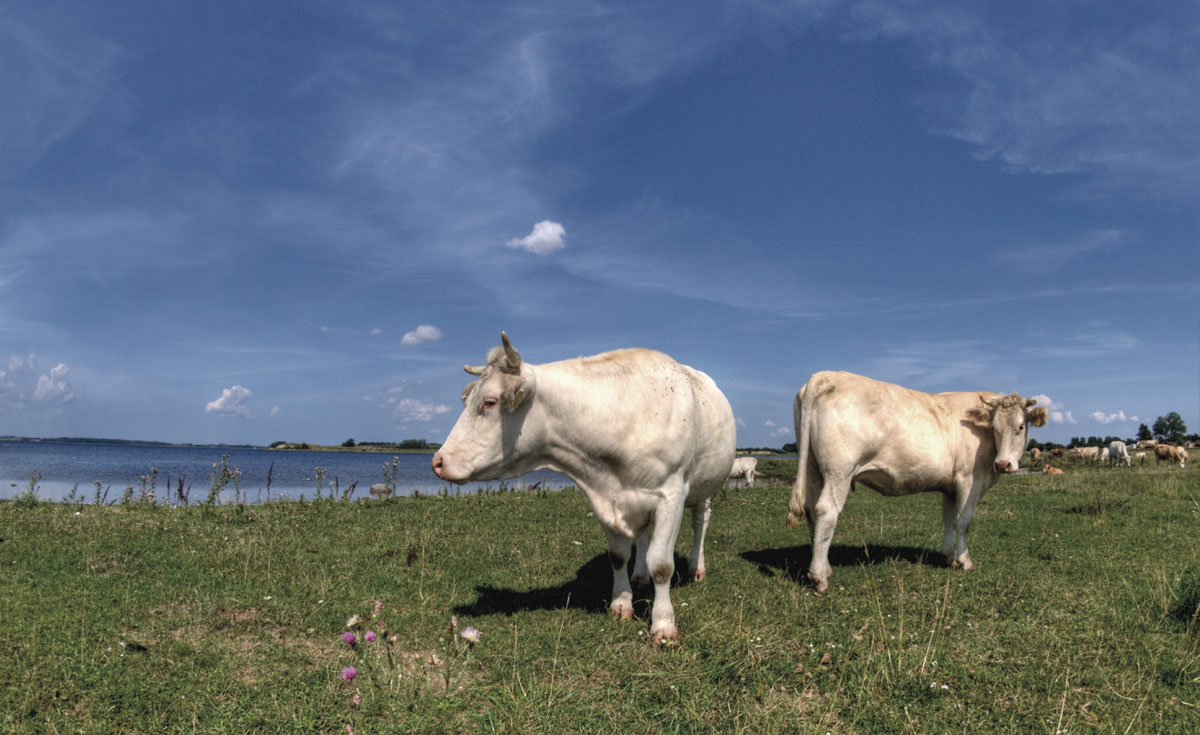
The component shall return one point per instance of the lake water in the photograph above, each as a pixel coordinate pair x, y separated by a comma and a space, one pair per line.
64, 466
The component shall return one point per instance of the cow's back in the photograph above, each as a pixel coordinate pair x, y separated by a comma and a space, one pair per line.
893, 439
644, 414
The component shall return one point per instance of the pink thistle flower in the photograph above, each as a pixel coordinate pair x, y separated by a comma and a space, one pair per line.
349, 673
350, 638
378, 606
471, 635
370, 636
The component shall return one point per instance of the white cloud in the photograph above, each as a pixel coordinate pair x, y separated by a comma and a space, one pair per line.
1111, 418
411, 409
376, 332
1056, 413
768, 422
783, 431
231, 403
55, 387
547, 237
422, 334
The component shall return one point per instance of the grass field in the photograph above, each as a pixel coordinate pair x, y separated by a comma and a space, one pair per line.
1081, 616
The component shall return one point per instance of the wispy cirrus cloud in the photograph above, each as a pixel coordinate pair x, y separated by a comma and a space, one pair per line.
1109, 95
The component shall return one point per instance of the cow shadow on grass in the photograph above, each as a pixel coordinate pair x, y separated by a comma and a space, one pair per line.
590, 590
793, 561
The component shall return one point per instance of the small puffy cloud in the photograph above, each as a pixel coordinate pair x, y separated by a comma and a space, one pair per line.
55, 387
783, 431
1111, 418
1055, 410
769, 422
547, 237
740, 422
376, 332
275, 410
422, 334
231, 403
411, 409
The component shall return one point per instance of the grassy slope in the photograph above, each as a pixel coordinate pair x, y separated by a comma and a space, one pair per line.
1074, 619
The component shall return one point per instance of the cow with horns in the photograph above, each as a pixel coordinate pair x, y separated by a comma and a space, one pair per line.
641, 435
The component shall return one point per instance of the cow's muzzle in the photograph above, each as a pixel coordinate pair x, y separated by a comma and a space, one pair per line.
1004, 467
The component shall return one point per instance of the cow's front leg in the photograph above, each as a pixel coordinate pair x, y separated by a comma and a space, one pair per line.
622, 592
660, 558
968, 492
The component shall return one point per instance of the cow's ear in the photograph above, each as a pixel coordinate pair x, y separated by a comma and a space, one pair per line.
980, 417
518, 390
467, 391
1038, 416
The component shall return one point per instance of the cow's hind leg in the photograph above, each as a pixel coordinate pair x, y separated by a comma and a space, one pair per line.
622, 592
641, 572
700, 516
949, 516
823, 520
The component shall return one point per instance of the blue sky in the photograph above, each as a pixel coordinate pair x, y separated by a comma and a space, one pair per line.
232, 222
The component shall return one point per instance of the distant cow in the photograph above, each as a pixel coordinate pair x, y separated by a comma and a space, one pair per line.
1087, 454
1103, 455
1059, 452
1140, 457
1051, 470
1035, 454
1119, 453
897, 441
641, 435
743, 469
1147, 444
1172, 454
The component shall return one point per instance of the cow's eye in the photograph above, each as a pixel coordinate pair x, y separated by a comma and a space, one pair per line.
1021, 428
488, 404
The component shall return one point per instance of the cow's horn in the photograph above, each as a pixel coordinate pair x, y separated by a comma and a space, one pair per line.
989, 402
474, 369
1030, 401
514, 357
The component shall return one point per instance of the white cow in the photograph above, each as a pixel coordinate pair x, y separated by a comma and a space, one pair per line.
1118, 452
743, 469
1088, 454
640, 434
898, 441
1103, 456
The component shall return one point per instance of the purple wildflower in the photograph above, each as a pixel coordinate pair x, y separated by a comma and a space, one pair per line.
349, 673
350, 638
370, 636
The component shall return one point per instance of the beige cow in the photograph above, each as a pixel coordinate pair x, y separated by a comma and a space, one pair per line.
898, 441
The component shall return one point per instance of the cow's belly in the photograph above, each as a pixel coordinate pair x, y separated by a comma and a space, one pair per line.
886, 482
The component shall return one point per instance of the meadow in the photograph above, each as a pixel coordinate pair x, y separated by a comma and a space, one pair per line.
1082, 615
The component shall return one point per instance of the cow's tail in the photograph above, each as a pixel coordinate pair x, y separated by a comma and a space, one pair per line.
798, 501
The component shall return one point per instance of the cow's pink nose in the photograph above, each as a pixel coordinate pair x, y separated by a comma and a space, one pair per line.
438, 465
1003, 466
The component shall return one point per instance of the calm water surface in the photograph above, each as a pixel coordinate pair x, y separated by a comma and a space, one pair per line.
64, 466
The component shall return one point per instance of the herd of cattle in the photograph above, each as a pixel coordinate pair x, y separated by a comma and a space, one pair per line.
645, 437
1115, 454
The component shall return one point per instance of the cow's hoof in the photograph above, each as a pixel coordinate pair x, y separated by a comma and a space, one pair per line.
698, 575
621, 613
964, 564
821, 583
666, 636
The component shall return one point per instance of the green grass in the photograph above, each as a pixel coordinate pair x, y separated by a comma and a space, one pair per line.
1081, 616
